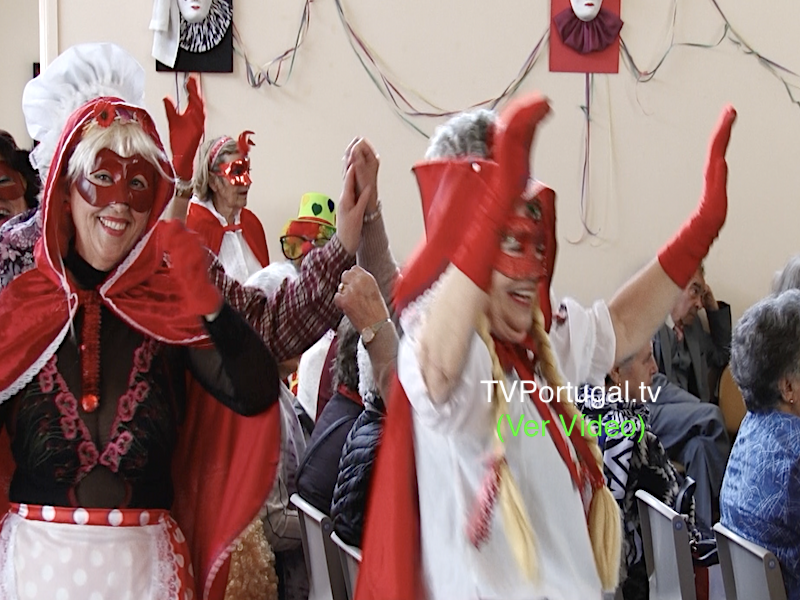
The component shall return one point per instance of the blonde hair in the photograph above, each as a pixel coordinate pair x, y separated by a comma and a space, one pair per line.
204, 170
516, 522
604, 523
126, 138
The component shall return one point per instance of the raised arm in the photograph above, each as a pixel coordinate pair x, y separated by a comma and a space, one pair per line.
290, 320
239, 371
642, 303
446, 333
495, 189
360, 299
374, 254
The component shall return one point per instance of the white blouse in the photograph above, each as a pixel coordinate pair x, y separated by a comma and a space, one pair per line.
453, 441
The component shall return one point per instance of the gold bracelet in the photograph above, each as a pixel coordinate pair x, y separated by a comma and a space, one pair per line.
373, 216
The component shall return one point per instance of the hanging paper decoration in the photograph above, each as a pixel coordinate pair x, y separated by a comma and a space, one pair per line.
584, 36
193, 35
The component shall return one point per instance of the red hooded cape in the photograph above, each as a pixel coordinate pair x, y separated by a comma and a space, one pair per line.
225, 464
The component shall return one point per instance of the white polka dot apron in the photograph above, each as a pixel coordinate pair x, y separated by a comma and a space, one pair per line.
60, 553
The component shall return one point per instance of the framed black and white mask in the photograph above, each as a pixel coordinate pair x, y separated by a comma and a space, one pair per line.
205, 42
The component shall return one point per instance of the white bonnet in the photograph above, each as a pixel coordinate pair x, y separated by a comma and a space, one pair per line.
79, 74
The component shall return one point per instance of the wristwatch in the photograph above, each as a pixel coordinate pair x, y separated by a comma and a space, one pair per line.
368, 333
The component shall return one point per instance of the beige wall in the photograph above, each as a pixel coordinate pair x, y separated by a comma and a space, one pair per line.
648, 140
19, 49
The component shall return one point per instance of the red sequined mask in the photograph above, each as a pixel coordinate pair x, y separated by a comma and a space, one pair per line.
523, 246
118, 180
236, 172
11, 184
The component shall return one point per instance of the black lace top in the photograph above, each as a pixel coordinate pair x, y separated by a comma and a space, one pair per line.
120, 454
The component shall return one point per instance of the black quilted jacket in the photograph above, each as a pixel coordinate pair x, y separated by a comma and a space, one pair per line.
355, 470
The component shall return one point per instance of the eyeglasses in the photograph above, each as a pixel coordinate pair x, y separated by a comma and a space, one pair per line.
297, 246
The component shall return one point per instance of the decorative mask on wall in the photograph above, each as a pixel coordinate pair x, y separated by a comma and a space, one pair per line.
586, 10
584, 36
204, 23
586, 27
193, 35
194, 11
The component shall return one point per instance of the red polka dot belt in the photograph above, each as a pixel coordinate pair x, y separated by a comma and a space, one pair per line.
115, 517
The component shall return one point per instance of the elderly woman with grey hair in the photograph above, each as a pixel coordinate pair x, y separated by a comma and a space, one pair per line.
217, 209
789, 277
760, 497
473, 515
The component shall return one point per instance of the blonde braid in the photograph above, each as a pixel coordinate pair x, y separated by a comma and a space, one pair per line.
605, 529
549, 366
516, 523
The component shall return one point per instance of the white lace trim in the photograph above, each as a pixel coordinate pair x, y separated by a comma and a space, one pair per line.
8, 576
37, 366
126, 264
166, 583
414, 314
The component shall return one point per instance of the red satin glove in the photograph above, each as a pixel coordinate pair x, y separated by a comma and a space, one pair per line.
682, 255
190, 261
185, 131
495, 199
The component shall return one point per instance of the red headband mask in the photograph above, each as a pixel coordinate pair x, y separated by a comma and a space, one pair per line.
523, 248
12, 186
236, 172
118, 180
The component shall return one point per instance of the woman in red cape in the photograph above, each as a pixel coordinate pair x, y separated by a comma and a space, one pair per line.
118, 314
460, 506
217, 210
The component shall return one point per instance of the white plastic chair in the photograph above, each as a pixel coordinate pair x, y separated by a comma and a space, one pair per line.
748, 570
351, 559
326, 579
667, 553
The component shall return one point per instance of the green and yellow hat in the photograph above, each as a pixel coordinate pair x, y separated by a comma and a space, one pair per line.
314, 226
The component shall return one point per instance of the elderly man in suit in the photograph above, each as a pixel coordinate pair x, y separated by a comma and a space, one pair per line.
684, 415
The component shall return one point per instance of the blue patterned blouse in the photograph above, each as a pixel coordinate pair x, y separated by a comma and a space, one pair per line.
760, 498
